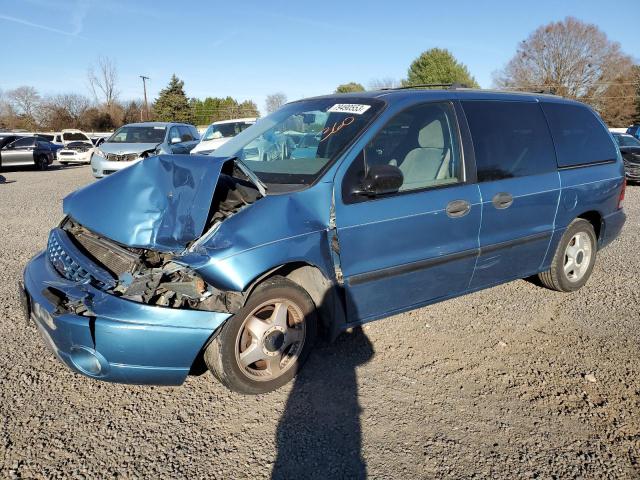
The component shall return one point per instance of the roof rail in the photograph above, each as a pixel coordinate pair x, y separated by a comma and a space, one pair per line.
449, 86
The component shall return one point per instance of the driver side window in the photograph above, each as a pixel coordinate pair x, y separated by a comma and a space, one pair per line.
423, 143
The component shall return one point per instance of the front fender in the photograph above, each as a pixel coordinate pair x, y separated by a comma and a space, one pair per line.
276, 230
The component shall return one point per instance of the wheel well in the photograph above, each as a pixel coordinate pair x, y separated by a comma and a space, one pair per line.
595, 219
323, 292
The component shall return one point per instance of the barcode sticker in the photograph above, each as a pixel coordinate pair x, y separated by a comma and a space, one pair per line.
355, 108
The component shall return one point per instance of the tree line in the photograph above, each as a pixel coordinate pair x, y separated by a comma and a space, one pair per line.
25, 108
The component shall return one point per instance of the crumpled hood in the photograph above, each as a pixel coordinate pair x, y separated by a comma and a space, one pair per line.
161, 203
123, 148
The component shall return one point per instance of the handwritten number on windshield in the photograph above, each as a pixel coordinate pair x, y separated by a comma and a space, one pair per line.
336, 127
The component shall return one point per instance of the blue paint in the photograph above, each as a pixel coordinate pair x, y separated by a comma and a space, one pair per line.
162, 203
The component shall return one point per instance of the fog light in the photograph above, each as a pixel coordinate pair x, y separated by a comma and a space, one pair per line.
87, 361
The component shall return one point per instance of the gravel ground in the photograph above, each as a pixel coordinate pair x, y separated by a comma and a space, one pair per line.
512, 382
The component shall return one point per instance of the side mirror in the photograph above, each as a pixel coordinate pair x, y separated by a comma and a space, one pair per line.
175, 140
380, 180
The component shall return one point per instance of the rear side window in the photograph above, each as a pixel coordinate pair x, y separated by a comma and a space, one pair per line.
579, 136
24, 142
510, 139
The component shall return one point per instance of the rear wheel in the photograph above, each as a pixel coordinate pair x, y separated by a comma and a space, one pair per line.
264, 345
42, 162
574, 258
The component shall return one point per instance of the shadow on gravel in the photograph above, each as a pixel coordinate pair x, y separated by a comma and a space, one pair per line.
319, 434
3, 180
50, 168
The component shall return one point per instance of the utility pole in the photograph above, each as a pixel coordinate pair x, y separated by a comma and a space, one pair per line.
146, 105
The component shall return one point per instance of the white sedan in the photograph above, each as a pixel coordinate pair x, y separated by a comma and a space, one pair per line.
75, 152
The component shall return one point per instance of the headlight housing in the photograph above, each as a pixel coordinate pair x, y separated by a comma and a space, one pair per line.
99, 153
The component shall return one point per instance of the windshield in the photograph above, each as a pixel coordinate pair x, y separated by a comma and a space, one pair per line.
129, 134
294, 144
225, 130
627, 141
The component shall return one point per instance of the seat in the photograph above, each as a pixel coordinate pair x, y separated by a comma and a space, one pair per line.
426, 165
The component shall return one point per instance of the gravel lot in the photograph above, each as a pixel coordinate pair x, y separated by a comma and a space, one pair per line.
512, 382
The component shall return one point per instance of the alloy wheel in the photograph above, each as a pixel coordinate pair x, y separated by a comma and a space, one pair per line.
270, 340
577, 256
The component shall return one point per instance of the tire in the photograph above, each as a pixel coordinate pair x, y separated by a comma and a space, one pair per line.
574, 258
279, 344
42, 162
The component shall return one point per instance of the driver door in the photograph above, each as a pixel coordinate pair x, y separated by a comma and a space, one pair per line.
402, 250
19, 152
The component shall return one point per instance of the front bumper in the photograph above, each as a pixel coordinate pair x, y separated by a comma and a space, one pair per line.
101, 167
122, 341
73, 157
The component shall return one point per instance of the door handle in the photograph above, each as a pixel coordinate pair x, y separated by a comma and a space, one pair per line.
502, 200
458, 208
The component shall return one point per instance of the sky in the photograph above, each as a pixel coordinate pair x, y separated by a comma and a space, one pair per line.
249, 49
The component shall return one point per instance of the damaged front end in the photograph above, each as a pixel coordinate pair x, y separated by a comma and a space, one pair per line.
154, 275
139, 275
114, 295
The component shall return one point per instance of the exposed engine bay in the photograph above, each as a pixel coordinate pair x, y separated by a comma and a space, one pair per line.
157, 278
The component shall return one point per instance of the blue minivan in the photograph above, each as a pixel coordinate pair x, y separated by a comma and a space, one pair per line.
237, 262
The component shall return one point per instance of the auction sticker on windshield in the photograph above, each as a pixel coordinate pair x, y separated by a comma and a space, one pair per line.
356, 108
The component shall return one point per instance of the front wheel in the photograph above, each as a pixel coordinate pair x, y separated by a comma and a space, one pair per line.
264, 345
574, 258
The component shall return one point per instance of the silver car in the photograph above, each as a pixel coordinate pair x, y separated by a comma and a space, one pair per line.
136, 141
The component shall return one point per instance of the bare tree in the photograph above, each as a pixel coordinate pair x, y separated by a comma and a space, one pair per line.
576, 60
65, 111
103, 80
385, 82
275, 101
25, 102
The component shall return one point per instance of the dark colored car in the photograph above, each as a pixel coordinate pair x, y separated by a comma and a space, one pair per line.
240, 259
634, 130
630, 150
27, 151
49, 139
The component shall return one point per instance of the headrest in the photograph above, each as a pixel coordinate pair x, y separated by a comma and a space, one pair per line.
430, 136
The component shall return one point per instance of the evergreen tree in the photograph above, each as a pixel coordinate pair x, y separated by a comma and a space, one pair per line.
350, 87
172, 104
438, 66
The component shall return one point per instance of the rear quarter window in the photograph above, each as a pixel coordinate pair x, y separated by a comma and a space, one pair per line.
579, 136
510, 139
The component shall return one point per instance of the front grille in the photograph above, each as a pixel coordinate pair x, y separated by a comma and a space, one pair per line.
66, 153
63, 263
108, 172
126, 157
114, 258
74, 265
